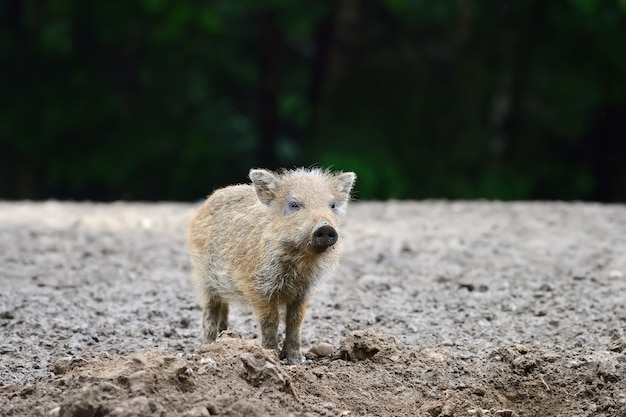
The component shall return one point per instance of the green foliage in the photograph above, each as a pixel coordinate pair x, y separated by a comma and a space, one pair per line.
163, 99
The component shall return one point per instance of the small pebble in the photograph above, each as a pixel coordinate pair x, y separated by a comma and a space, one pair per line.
521, 349
551, 356
506, 413
618, 345
321, 350
198, 412
616, 274
7, 315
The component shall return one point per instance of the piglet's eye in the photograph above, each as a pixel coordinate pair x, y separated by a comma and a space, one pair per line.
293, 204
333, 205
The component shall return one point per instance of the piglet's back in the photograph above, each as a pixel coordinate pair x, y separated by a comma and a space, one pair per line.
225, 211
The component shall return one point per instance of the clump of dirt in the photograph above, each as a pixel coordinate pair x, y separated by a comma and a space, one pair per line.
372, 374
369, 344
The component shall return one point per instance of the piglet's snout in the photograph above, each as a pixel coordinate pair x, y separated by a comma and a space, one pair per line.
324, 236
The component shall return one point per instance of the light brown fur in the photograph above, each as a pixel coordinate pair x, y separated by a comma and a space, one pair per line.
252, 244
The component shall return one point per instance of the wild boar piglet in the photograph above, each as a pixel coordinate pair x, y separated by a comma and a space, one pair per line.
267, 244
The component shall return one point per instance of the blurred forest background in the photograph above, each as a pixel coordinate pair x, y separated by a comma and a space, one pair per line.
169, 99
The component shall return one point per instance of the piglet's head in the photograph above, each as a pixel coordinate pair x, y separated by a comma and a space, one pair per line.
304, 204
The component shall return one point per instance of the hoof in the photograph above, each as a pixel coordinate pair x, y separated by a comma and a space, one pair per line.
293, 357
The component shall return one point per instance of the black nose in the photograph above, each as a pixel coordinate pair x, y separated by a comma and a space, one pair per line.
324, 236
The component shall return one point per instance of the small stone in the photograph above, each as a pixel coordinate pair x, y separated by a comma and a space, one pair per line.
27, 390
212, 409
506, 413
551, 356
8, 315
322, 350
208, 361
198, 412
616, 274
522, 349
526, 362
618, 345
54, 412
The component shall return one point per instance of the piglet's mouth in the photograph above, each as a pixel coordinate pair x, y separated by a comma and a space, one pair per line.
318, 249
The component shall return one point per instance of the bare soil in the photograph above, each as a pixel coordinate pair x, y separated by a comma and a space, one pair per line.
438, 309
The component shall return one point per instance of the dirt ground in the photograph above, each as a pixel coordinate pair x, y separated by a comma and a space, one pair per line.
438, 309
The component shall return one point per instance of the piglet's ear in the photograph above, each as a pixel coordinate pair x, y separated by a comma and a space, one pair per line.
266, 184
344, 182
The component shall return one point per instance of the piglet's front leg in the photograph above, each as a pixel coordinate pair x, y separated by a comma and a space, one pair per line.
294, 317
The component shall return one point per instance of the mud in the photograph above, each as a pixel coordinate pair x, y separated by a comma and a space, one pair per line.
438, 309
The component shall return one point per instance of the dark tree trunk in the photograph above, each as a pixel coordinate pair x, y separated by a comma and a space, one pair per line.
339, 42
22, 164
271, 43
604, 149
